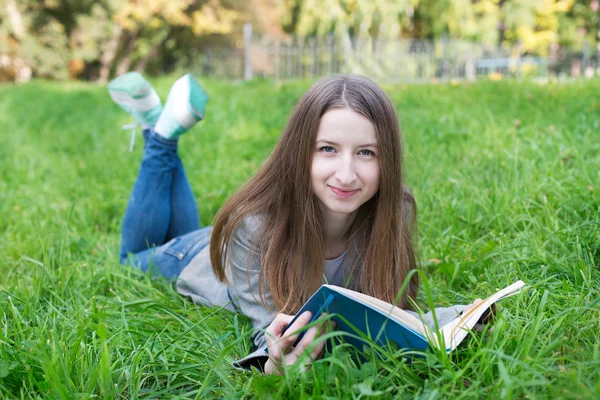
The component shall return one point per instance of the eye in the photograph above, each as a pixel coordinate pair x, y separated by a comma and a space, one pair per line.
366, 153
327, 149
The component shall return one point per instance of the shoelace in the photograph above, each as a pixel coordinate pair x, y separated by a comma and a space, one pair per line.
133, 128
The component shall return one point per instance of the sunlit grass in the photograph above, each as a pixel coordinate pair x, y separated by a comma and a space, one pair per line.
507, 182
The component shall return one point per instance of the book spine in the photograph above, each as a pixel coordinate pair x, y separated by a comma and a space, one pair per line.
317, 315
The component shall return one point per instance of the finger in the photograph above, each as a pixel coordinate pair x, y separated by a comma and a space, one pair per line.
295, 329
327, 325
273, 335
276, 328
320, 354
310, 336
318, 350
279, 324
272, 368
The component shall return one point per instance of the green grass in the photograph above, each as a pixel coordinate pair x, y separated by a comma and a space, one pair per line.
507, 181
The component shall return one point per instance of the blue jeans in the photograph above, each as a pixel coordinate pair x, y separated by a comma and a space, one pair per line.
161, 229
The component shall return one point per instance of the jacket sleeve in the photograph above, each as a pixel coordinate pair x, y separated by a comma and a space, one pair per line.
243, 272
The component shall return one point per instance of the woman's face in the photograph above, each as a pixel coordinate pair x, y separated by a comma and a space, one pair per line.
345, 164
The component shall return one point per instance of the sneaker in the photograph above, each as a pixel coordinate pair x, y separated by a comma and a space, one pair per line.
184, 108
137, 97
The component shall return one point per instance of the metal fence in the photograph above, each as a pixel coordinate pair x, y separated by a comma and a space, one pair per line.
398, 60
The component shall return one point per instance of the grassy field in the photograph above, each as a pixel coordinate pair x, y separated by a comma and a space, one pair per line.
507, 182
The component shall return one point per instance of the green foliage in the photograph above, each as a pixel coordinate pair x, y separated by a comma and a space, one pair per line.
355, 17
533, 22
61, 39
580, 24
68, 38
506, 180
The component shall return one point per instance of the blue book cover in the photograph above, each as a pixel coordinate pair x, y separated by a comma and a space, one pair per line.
364, 316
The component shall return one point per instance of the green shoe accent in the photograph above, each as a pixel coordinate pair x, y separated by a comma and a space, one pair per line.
184, 108
137, 97
198, 98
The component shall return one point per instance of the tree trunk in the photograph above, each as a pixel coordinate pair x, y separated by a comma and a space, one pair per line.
141, 65
16, 20
109, 53
125, 62
17, 68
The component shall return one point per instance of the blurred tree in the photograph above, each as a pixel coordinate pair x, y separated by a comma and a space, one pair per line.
267, 15
110, 37
580, 24
33, 40
12, 30
463, 19
96, 39
534, 22
382, 18
155, 29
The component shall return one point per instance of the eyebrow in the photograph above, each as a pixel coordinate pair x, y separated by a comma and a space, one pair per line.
337, 144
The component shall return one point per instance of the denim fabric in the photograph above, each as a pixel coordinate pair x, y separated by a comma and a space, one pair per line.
172, 257
161, 223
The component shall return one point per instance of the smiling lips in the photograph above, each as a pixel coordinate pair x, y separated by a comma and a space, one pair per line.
343, 193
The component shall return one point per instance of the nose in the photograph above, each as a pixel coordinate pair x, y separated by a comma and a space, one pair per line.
345, 173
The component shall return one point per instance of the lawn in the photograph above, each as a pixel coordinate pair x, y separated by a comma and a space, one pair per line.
507, 182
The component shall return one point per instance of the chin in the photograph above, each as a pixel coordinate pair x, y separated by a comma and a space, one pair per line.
342, 209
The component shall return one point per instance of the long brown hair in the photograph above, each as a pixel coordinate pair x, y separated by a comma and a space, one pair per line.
293, 245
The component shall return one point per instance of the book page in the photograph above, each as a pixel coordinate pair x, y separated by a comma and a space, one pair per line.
398, 314
455, 332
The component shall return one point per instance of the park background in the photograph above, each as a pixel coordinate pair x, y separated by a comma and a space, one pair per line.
501, 152
288, 39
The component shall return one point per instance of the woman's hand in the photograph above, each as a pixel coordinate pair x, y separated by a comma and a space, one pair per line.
282, 351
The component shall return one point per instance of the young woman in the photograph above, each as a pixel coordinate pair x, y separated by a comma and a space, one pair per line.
329, 205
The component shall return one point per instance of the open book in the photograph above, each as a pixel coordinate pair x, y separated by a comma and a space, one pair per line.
357, 313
